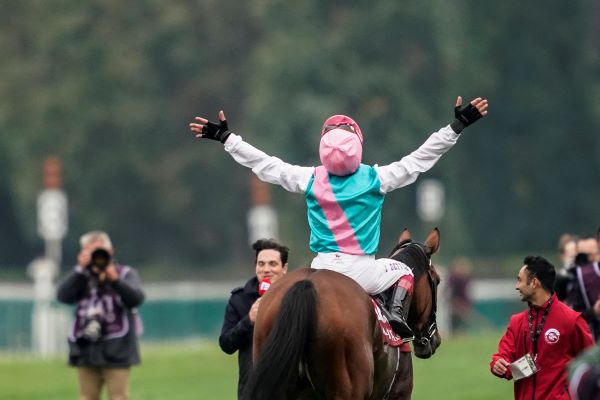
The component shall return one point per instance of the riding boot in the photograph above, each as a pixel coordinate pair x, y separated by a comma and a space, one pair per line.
398, 311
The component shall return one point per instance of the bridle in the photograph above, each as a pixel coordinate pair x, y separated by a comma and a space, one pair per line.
424, 337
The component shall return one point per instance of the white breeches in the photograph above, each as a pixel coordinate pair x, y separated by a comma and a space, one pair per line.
373, 275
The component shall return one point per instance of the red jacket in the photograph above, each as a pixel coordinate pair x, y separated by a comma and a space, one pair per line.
564, 335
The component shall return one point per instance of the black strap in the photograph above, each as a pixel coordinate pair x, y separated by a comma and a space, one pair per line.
535, 336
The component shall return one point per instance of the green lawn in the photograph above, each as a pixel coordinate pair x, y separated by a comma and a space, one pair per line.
459, 370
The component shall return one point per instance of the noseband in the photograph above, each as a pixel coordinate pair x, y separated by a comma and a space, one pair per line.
424, 337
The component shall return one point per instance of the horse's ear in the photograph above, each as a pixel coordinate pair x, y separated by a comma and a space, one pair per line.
433, 240
404, 236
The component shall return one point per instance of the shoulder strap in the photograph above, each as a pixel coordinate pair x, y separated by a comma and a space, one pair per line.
582, 288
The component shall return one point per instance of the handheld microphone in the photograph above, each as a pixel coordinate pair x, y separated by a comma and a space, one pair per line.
263, 286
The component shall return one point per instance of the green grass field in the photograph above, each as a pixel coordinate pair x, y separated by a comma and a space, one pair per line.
459, 370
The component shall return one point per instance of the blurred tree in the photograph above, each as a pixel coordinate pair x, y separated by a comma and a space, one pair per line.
109, 87
530, 172
397, 67
13, 247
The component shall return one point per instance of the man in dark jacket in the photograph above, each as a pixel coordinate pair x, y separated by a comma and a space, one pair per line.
583, 293
540, 341
103, 343
240, 314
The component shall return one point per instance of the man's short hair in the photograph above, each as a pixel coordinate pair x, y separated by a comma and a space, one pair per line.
541, 269
271, 244
586, 238
93, 236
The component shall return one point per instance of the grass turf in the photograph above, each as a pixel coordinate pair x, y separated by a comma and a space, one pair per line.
459, 370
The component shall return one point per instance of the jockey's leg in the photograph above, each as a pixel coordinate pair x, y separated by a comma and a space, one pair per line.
400, 277
399, 307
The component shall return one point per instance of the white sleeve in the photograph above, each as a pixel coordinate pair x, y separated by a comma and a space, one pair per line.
292, 178
404, 172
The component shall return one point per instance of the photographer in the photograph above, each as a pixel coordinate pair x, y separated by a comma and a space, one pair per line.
103, 343
583, 292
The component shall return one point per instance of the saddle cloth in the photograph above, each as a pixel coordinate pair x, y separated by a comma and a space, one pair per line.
388, 336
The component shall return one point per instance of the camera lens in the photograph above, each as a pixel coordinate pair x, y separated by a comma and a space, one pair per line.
100, 259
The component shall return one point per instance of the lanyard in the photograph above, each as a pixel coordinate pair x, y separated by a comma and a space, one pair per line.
538, 332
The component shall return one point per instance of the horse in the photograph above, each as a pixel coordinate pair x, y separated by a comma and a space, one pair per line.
316, 335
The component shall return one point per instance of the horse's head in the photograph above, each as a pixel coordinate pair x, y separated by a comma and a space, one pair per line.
423, 306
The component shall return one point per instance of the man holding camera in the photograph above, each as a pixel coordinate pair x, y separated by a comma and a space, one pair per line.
103, 343
583, 291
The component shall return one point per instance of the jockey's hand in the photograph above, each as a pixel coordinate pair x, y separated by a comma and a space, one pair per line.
466, 116
209, 130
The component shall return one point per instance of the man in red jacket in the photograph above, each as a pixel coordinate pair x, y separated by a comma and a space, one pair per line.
540, 342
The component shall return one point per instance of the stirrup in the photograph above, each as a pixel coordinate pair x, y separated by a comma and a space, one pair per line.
408, 340
398, 325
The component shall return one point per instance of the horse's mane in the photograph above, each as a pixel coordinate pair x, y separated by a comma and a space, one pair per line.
411, 255
398, 245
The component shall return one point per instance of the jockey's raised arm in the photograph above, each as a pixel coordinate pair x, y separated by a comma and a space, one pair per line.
292, 178
406, 171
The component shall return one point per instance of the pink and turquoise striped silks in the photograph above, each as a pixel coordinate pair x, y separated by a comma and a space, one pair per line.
344, 212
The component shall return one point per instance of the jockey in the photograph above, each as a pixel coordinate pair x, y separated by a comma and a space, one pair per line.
344, 197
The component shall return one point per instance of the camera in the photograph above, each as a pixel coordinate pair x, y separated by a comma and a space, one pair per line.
92, 330
100, 259
582, 259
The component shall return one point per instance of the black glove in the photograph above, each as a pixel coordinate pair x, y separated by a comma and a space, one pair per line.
465, 117
214, 131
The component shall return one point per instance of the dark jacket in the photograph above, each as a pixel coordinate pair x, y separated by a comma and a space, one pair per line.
583, 292
236, 334
118, 345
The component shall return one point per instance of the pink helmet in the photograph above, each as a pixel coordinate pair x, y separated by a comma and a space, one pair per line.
340, 149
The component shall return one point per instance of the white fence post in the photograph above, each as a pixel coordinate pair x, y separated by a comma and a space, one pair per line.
49, 324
